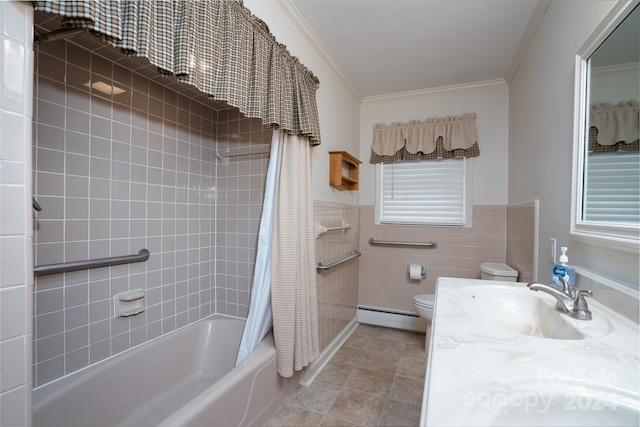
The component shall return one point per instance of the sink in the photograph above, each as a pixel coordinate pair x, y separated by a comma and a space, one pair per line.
565, 405
503, 355
514, 311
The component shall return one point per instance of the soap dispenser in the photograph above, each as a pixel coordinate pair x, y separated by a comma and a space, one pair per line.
564, 270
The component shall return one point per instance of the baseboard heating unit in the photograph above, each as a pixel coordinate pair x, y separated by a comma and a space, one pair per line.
391, 318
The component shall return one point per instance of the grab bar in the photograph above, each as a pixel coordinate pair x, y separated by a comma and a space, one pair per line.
62, 267
334, 264
431, 244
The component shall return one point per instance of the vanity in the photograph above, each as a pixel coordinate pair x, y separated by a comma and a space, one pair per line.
503, 355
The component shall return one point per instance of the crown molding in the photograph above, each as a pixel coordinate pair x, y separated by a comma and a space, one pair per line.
429, 91
301, 24
532, 27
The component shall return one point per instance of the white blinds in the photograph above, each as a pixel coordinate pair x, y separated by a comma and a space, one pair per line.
612, 187
423, 192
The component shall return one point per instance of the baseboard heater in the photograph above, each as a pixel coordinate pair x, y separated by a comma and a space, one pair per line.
391, 318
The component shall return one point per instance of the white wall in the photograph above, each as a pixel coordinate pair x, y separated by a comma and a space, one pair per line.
541, 130
490, 103
615, 84
338, 104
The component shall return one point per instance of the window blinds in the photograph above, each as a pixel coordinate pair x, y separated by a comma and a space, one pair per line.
423, 192
612, 187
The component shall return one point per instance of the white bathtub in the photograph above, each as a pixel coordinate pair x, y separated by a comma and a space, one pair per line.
185, 378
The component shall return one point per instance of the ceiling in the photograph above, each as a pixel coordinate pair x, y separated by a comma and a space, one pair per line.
391, 46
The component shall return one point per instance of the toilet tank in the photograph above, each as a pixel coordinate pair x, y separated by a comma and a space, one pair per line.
498, 271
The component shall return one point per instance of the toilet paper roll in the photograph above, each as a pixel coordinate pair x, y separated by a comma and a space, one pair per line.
415, 272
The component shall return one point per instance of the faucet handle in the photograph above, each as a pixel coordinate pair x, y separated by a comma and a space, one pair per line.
580, 306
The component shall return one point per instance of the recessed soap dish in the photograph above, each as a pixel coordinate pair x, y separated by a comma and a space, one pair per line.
128, 303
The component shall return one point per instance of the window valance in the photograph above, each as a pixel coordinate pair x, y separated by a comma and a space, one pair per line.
218, 46
425, 140
614, 128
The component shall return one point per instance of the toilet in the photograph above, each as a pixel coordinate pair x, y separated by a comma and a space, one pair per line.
498, 271
424, 307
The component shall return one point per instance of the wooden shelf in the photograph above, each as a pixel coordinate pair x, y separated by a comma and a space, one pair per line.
343, 170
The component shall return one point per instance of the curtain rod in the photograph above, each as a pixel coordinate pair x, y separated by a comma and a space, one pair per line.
223, 155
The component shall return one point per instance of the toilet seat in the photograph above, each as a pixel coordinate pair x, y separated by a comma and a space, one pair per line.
425, 300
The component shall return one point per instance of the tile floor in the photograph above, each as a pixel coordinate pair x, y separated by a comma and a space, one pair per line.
375, 379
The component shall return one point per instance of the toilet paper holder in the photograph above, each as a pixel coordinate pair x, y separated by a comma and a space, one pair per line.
423, 271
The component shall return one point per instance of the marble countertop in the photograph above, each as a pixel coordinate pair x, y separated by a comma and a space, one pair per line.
500, 370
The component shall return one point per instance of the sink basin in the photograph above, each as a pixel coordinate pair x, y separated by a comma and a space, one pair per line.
514, 311
503, 355
568, 405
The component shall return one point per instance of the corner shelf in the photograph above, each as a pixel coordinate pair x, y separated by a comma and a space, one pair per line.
343, 170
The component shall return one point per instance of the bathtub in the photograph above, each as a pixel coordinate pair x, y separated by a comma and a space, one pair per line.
185, 378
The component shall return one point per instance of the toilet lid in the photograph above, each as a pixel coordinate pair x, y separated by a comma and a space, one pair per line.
425, 300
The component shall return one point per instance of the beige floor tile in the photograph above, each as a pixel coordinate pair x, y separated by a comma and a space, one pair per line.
379, 361
290, 416
335, 373
410, 367
357, 341
357, 407
414, 350
369, 381
400, 414
394, 334
318, 397
416, 338
386, 345
348, 356
407, 390
368, 330
376, 377
328, 421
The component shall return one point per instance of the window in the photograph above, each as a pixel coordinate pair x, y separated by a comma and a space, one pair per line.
428, 192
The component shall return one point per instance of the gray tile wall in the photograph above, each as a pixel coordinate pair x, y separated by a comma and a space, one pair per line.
114, 174
239, 197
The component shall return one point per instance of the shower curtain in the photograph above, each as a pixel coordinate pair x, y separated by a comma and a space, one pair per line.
259, 319
284, 286
293, 266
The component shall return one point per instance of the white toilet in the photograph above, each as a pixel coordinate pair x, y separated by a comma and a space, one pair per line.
424, 307
498, 271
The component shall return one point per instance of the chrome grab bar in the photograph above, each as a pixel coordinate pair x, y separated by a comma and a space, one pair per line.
62, 267
334, 264
431, 244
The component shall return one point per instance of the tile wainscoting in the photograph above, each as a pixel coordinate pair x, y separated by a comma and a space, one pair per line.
384, 282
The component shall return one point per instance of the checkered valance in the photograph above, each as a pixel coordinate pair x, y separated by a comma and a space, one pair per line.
614, 128
425, 140
218, 46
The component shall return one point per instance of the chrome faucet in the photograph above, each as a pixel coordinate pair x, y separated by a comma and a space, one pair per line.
579, 309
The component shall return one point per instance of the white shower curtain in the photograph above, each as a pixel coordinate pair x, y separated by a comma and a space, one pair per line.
259, 319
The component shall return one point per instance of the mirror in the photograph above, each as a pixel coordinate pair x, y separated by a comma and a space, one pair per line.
606, 199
